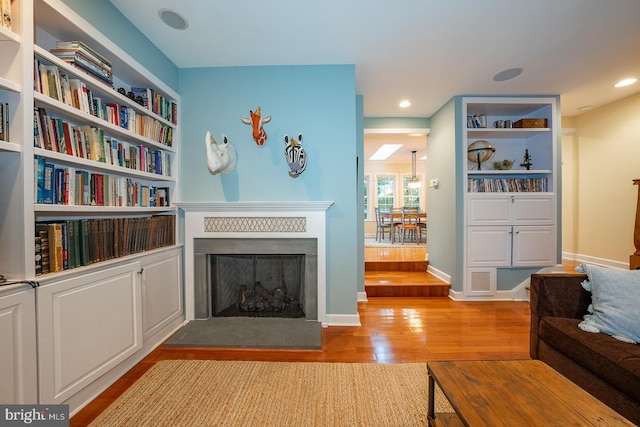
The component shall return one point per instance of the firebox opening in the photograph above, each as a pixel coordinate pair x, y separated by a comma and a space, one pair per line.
257, 285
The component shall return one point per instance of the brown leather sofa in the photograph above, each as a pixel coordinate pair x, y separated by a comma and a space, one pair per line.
607, 368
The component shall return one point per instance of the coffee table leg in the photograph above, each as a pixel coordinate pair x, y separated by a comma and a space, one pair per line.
431, 409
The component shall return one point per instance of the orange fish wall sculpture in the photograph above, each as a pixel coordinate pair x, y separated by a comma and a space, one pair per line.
257, 121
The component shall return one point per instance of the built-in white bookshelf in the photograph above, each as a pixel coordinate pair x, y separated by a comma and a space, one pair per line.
510, 217
92, 322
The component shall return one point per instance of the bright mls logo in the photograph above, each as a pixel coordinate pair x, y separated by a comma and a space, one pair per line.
35, 415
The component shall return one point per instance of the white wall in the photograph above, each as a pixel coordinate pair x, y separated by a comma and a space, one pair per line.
600, 160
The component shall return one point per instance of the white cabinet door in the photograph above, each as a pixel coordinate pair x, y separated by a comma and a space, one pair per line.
492, 209
18, 379
536, 210
534, 246
87, 325
489, 246
161, 290
511, 209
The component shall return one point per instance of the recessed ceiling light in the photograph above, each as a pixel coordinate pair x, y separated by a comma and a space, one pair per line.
405, 103
584, 108
626, 82
173, 19
385, 151
508, 74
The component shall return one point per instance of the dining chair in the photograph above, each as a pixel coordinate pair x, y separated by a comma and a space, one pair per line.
382, 224
395, 215
422, 228
409, 223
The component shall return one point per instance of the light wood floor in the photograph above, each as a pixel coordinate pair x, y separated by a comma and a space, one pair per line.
394, 330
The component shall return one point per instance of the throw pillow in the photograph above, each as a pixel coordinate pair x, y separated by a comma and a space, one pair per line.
615, 302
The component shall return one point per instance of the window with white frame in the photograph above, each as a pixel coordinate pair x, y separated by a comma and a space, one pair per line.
385, 191
410, 196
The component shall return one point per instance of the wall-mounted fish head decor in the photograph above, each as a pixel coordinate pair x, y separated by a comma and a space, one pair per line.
257, 121
221, 157
295, 155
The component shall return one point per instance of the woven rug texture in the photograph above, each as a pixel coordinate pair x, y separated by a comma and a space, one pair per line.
241, 393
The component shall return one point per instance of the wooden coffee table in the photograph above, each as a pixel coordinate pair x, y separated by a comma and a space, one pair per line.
513, 393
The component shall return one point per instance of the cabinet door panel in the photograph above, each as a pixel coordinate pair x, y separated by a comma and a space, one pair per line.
86, 326
488, 210
489, 247
161, 291
18, 381
534, 246
533, 210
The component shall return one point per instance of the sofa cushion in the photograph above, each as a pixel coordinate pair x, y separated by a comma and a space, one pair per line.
615, 298
615, 361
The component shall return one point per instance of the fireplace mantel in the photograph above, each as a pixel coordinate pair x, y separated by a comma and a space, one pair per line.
219, 207
255, 220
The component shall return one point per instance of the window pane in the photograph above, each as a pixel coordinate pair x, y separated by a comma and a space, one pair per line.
386, 197
411, 196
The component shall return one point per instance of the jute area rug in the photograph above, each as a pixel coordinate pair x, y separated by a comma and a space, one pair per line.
240, 393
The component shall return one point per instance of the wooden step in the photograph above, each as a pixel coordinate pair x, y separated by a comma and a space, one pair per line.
396, 266
404, 284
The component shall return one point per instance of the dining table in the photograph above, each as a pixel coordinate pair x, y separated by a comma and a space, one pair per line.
396, 218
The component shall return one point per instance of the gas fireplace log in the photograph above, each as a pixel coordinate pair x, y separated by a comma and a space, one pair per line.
261, 299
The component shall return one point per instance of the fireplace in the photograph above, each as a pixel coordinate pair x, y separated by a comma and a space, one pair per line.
255, 230
266, 277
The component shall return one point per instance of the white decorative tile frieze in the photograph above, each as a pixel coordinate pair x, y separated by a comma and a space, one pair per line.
255, 224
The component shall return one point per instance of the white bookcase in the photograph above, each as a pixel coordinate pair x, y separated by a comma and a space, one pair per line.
511, 218
80, 305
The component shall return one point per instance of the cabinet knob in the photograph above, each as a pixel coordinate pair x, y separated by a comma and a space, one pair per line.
141, 271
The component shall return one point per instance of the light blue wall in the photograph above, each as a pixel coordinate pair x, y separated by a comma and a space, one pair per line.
396, 122
317, 101
441, 208
103, 15
360, 153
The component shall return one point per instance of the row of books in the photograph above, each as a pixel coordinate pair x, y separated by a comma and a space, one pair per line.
508, 185
4, 121
477, 121
64, 245
50, 81
68, 186
81, 56
5, 14
90, 142
157, 103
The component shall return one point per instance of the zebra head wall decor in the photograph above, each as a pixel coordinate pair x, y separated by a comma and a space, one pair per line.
221, 158
257, 121
295, 155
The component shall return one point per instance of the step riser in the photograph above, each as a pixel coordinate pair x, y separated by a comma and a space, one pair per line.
406, 291
396, 266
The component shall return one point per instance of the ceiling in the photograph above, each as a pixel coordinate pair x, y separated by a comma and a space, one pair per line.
426, 51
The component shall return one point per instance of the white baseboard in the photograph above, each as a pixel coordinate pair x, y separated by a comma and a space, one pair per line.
595, 260
362, 297
342, 320
439, 274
